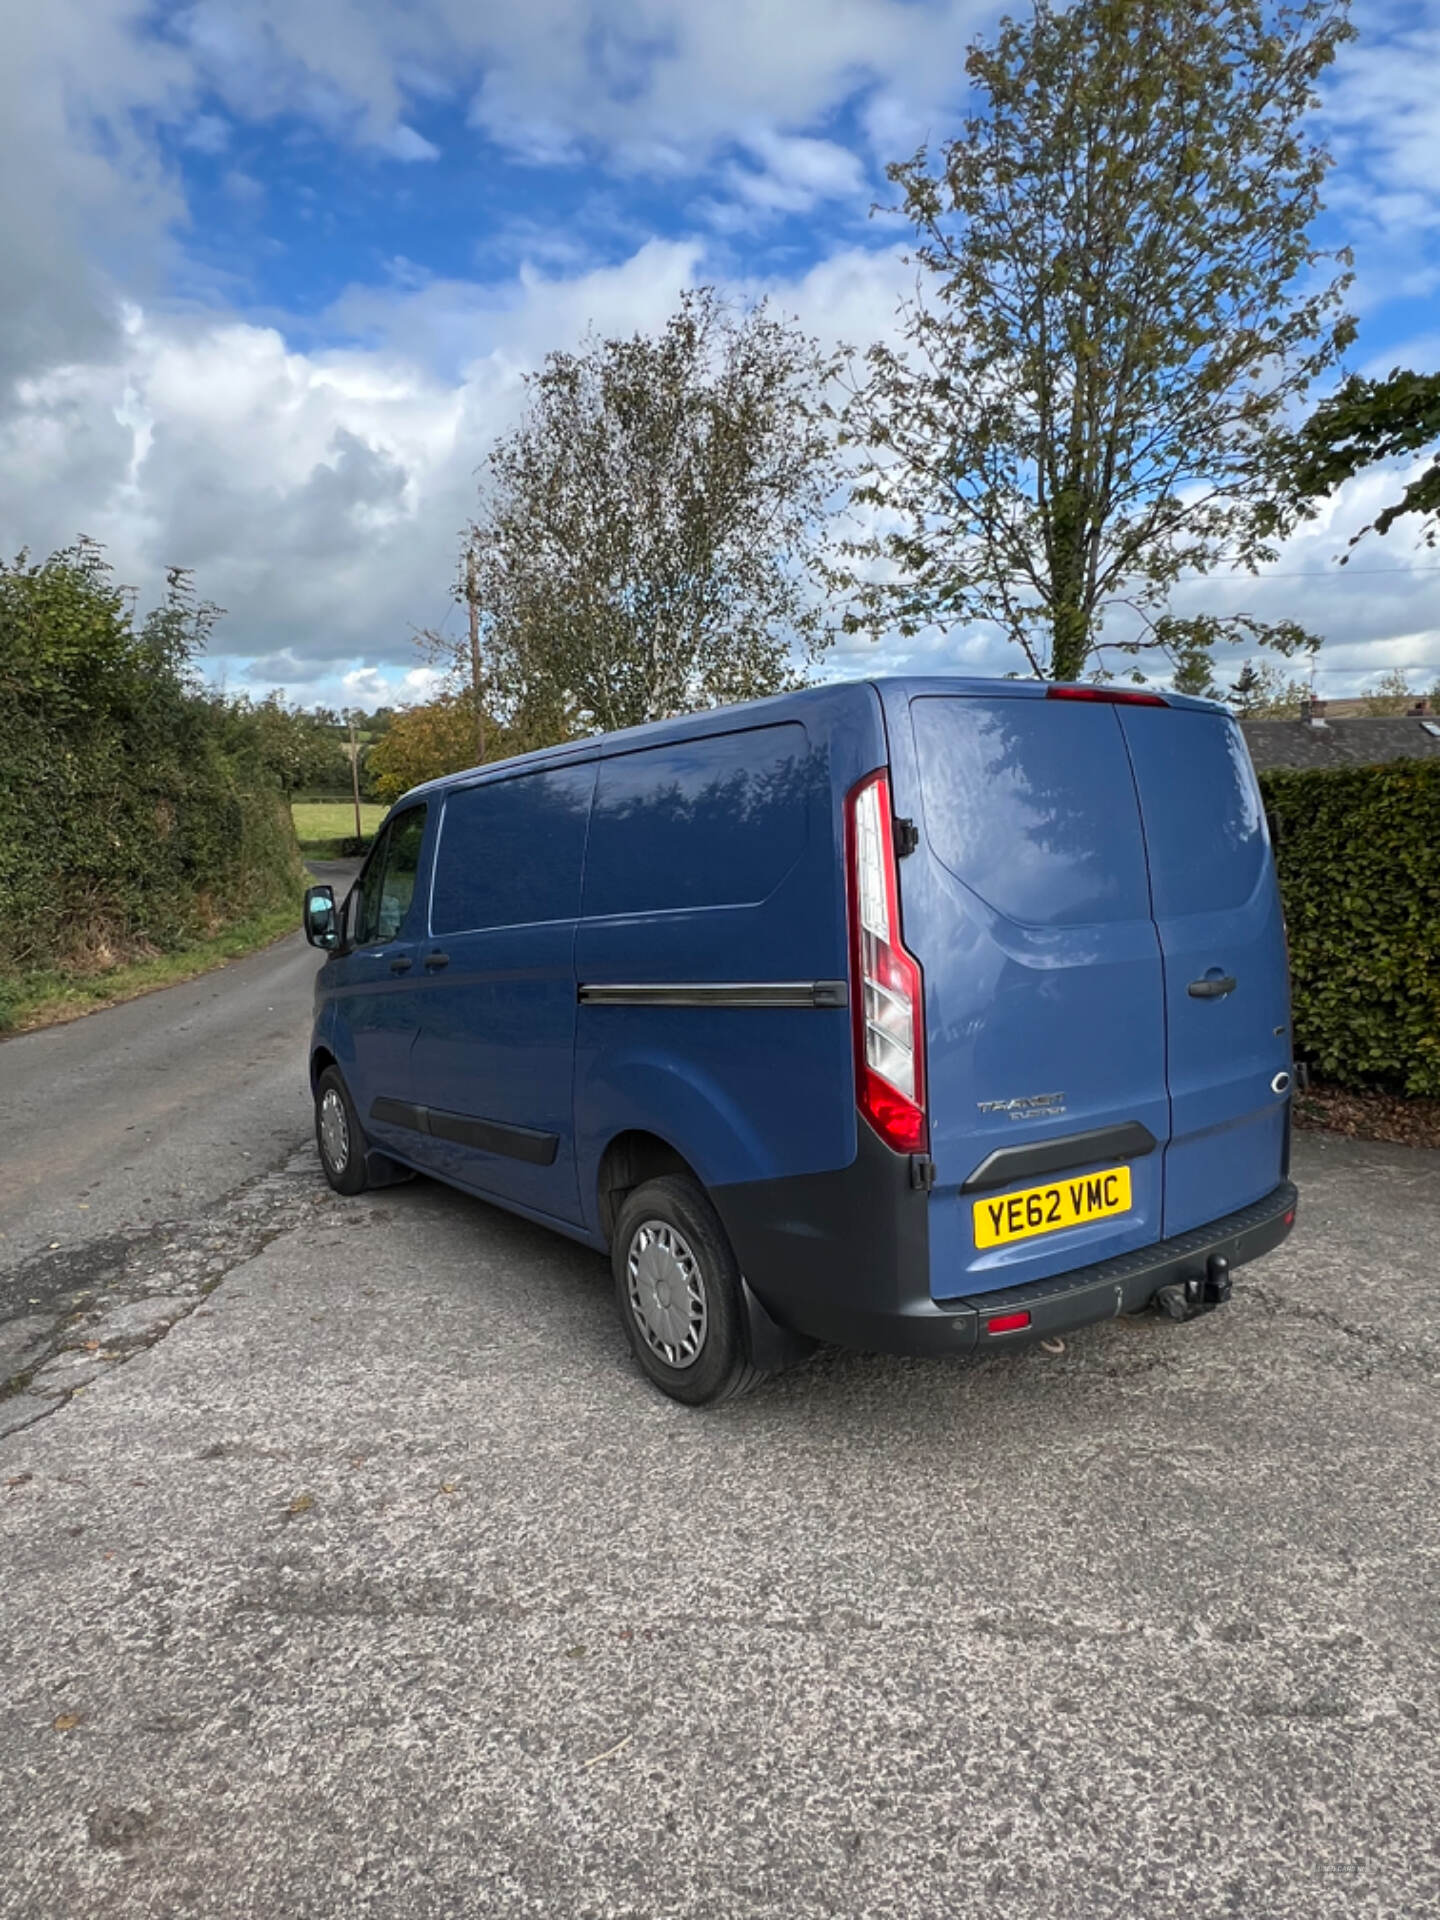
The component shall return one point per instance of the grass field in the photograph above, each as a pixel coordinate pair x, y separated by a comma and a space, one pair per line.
332, 819
321, 825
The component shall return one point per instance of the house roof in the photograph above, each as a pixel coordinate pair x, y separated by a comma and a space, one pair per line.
1345, 741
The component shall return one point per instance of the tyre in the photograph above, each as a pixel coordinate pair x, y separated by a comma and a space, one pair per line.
677, 1286
338, 1134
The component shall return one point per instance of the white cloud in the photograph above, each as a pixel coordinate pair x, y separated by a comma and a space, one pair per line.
86, 195
405, 144
1383, 108
650, 83
319, 494
791, 175
207, 133
244, 189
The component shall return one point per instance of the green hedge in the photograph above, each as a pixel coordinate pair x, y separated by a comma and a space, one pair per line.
137, 813
102, 858
1358, 850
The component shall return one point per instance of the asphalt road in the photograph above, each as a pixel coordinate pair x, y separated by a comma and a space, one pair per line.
157, 1107
354, 1570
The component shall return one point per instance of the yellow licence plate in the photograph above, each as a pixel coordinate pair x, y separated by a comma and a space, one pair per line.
1066, 1203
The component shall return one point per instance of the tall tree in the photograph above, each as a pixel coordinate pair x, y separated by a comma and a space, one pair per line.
1263, 692
648, 533
1366, 421
1392, 694
1117, 300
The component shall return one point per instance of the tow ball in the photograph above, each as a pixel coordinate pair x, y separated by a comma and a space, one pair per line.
1201, 1293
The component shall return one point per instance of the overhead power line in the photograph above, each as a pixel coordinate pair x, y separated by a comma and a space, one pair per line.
1304, 573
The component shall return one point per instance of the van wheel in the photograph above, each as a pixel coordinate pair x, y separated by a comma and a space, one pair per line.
338, 1134
677, 1285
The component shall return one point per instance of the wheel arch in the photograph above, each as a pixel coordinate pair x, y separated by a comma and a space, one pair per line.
630, 1159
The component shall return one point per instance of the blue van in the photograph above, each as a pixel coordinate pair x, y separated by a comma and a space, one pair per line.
921, 1016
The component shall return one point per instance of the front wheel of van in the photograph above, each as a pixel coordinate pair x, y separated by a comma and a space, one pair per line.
338, 1135
677, 1285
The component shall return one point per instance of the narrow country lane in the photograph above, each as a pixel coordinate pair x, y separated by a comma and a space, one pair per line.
148, 1113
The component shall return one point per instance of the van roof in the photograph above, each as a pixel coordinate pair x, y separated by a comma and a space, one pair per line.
775, 707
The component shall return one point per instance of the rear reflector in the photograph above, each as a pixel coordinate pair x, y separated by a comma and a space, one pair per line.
1107, 696
1290, 1218
1007, 1322
889, 1013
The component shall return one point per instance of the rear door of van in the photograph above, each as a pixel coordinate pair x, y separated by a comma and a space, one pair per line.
1217, 909
1026, 903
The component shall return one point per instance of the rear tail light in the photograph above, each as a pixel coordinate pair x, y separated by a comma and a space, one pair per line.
1108, 696
888, 1004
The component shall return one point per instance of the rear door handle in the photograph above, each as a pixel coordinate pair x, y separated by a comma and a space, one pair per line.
1214, 986
400, 964
436, 960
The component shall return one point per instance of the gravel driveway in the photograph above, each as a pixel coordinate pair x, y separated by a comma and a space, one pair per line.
382, 1584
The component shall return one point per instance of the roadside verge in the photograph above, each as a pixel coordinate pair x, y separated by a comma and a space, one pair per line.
49, 997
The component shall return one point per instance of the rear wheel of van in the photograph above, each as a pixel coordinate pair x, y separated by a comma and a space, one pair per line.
677, 1285
338, 1134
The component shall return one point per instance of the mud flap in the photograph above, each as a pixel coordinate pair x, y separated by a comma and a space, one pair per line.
772, 1347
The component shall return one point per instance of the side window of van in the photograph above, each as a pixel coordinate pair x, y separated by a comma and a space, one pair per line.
511, 851
366, 899
700, 823
387, 885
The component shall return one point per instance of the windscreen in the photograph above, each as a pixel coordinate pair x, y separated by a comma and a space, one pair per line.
1031, 803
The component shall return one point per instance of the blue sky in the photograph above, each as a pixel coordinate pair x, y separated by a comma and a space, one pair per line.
275, 269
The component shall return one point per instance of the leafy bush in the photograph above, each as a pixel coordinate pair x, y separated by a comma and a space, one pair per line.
426, 741
136, 812
1358, 850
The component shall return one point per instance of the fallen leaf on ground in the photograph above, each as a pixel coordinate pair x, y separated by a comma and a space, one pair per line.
1402, 1119
302, 1503
63, 1722
19, 1479
449, 1486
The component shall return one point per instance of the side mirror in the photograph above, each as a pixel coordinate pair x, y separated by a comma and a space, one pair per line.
322, 924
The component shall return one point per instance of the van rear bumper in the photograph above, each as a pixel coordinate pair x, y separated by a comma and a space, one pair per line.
1129, 1282
844, 1258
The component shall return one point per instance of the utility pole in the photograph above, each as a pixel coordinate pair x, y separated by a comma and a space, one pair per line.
477, 687
354, 767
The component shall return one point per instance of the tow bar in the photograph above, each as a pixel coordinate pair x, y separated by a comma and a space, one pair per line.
1202, 1293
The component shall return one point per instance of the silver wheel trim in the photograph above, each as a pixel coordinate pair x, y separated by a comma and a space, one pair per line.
667, 1293
334, 1130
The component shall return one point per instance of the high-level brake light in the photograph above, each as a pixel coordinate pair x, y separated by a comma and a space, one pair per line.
888, 1005
1108, 696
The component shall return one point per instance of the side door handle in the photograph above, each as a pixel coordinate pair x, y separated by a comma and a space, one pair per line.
434, 961
401, 963
1214, 986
